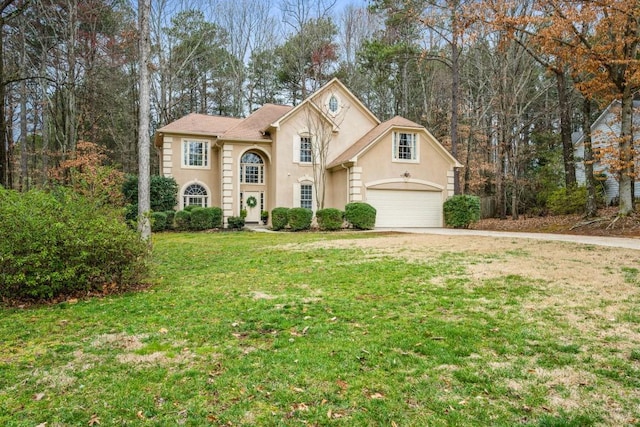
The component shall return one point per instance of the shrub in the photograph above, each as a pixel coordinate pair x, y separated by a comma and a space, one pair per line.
182, 220
61, 243
360, 215
170, 218
565, 201
191, 207
461, 210
163, 192
235, 222
279, 218
215, 216
300, 219
158, 221
201, 219
330, 219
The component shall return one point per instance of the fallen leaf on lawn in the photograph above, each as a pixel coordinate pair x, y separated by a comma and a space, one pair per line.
163, 331
304, 331
298, 389
342, 384
300, 407
38, 396
393, 424
94, 420
376, 396
72, 301
140, 415
42, 425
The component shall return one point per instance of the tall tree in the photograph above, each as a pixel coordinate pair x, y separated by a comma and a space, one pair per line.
144, 175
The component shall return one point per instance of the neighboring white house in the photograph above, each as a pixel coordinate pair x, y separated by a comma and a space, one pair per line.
605, 129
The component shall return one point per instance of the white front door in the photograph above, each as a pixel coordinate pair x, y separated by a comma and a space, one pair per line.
253, 213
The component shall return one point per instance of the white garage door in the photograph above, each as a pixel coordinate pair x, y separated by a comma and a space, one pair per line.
401, 208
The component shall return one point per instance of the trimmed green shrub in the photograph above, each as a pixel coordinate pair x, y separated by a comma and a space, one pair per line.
360, 215
461, 210
182, 220
235, 222
158, 221
300, 219
201, 219
216, 217
329, 219
163, 192
563, 201
191, 207
170, 218
60, 243
279, 218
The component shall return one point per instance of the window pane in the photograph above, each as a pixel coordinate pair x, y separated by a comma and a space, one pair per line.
405, 146
305, 149
306, 196
196, 153
251, 169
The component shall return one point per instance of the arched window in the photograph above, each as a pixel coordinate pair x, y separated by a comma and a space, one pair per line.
334, 106
251, 169
195, 194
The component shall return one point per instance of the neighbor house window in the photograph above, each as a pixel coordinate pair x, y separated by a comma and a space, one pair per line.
404, 146
195, 194
305, 149
195, 153
251, 169
306, 196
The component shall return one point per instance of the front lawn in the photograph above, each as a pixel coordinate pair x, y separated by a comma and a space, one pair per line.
350, 329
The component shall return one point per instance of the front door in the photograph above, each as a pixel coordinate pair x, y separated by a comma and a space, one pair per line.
252, 203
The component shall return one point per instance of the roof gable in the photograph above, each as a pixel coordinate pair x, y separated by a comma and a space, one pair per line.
376, 134
335, 82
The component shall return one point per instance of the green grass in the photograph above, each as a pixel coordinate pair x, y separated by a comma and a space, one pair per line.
287, 329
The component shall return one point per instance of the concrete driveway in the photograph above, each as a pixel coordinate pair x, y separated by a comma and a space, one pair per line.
616, 242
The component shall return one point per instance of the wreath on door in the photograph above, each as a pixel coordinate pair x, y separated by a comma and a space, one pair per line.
252, 202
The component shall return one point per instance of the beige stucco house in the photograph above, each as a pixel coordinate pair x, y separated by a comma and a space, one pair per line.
286, 156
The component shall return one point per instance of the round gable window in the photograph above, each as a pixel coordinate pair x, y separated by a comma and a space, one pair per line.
333, 104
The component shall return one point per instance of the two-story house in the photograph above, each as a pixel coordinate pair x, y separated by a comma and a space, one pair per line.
330, 148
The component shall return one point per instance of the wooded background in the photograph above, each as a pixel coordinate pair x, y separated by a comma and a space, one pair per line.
502, 84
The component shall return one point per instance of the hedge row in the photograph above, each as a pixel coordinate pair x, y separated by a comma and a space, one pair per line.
361, 216
192, 218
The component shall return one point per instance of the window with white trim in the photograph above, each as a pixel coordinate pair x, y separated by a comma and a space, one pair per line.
195, 194
195, 153
306, 196
251, 169
404, 146
305, 149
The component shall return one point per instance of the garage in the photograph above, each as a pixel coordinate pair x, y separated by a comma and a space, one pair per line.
406, 208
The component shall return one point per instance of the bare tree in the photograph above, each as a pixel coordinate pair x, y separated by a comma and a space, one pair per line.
321, 124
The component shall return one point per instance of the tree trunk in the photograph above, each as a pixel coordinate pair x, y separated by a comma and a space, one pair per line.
455, 84
4, 148
625, 152
591, 208
564, 107
144, 202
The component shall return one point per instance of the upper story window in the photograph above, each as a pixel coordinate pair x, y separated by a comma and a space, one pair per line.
251, 169
195, 153
195, 194
305, 149
404, 146
334, 106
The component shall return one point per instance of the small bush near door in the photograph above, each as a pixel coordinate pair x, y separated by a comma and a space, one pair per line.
300, 219
330, 219
279, 218
461, 210
182, 220
235, 222
360, 215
